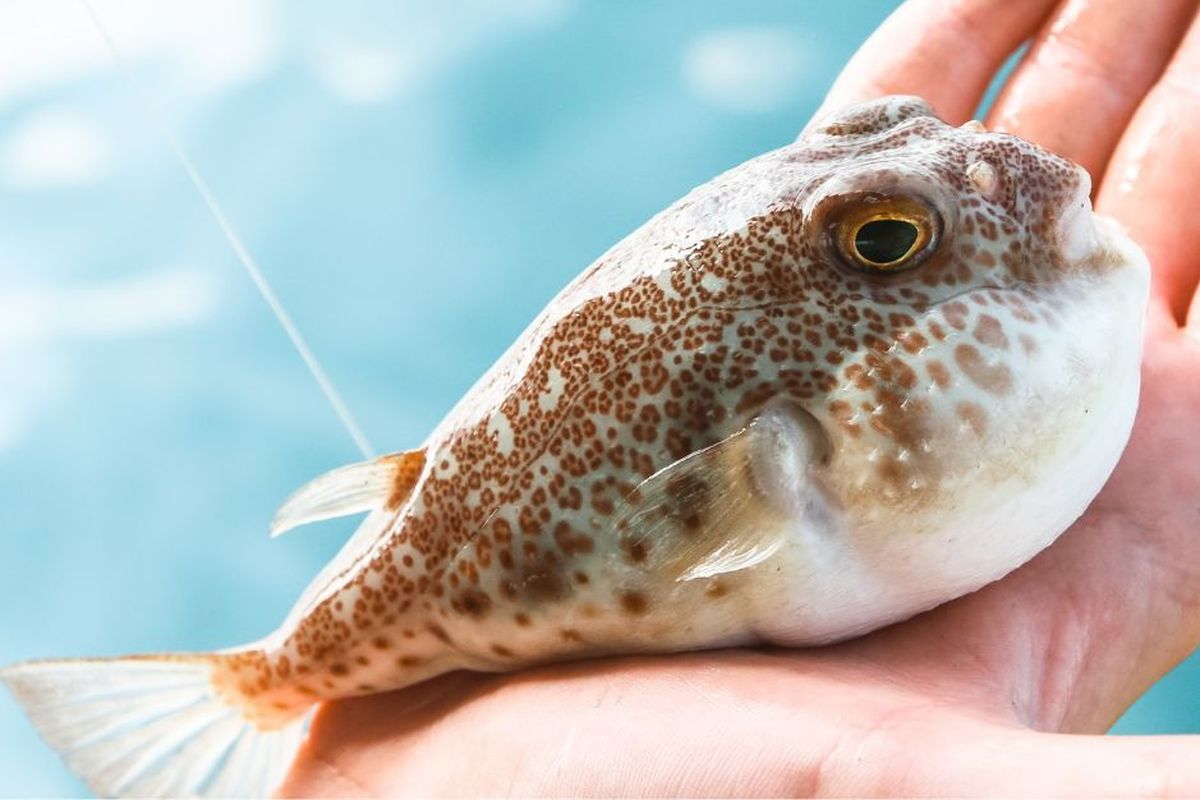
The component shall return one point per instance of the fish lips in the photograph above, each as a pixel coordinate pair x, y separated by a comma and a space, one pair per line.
1091, 243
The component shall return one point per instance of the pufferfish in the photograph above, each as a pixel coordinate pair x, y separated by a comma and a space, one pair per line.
838, 385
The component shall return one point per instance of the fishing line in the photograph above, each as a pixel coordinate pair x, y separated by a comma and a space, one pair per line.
268, 294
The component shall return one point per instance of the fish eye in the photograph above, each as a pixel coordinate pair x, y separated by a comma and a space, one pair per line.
885, 235
882, 242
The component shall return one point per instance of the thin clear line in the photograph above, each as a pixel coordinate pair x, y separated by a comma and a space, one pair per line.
235, 241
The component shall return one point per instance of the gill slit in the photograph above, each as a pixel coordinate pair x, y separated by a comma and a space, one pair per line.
152, 111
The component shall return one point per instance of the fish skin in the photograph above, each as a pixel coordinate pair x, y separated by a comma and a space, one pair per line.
723, 433
726, 305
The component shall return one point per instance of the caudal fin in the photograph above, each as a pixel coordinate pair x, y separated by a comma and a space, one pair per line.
152, 726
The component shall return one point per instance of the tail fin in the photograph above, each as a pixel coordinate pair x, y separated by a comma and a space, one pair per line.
152, 726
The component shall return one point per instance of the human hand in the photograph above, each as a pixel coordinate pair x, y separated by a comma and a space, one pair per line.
975, 696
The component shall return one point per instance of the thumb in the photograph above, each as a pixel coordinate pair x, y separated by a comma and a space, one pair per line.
1024, 764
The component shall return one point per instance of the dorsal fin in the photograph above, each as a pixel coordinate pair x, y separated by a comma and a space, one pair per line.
384, 483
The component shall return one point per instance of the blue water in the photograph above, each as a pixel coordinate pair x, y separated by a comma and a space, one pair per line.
413, 212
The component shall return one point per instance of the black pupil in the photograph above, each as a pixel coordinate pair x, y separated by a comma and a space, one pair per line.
883, 241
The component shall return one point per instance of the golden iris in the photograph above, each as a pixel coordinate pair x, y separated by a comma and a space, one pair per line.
887, 235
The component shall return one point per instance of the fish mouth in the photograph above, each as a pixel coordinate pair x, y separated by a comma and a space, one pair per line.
1075, 229
1089, 242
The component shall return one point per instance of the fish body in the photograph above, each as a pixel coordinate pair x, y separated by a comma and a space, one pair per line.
840, 384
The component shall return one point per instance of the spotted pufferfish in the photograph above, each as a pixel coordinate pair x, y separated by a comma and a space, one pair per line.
838, 385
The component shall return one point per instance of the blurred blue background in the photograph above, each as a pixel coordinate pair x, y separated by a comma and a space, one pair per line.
417, 180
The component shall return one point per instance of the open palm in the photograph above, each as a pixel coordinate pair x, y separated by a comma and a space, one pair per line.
993, 693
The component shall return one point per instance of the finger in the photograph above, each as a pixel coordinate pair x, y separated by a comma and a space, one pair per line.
1086, 73
963, 756
944, 52
1058, 765
1150, 184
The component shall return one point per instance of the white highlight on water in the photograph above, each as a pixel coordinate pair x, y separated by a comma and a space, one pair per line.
753, 69
54, 148
235, 241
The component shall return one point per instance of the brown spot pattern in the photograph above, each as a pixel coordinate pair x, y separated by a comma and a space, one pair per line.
671, 343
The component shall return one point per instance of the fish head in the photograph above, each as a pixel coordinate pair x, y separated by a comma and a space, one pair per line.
969, 351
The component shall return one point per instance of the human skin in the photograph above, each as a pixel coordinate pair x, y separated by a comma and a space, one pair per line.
1002, 692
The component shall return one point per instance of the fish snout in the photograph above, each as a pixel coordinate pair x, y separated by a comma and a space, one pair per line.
1089, 243
1075, 228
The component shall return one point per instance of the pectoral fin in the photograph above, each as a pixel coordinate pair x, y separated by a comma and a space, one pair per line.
384, 483
725, 508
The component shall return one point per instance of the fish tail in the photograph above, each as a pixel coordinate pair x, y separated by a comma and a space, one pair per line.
163, 725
